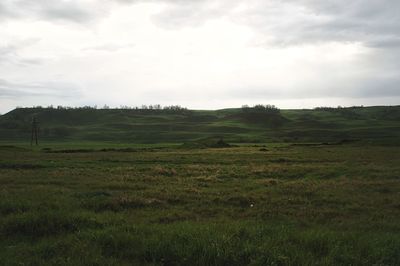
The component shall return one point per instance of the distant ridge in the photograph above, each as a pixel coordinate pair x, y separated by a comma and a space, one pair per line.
179, 125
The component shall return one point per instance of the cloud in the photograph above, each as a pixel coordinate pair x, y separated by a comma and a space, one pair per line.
17, 90
191, 13
311, 21
109, 47
375, 23
353, 89
290, 22
7, 51
187, 13
203, 49
10, 53
49, 10
5, 11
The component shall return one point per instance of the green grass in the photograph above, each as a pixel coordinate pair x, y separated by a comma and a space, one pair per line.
279, 204
368, 124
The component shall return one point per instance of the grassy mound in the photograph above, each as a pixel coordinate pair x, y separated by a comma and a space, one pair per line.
206, 143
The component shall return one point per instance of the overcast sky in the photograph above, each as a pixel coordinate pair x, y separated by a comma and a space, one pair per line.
202, 54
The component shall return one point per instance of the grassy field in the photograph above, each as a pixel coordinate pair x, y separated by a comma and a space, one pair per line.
281, 204
367, 124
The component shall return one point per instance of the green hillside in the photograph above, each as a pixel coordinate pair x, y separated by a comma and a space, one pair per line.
241, 125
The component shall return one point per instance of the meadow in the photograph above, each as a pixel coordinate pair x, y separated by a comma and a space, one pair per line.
238, 125
250, 204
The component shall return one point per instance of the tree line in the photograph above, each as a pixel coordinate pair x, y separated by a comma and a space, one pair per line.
141, 109
261, 108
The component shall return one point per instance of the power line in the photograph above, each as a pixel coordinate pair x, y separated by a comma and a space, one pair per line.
34, 134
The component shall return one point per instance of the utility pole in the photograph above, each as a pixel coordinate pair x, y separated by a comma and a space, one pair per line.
34, 135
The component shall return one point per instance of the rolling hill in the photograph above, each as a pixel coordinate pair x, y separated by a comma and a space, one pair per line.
331, 125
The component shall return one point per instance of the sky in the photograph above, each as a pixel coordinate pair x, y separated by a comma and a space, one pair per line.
201, 54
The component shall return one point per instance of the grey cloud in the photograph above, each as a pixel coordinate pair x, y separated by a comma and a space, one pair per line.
5, 12
379, 88
385, 42
309, 21
185, 2
184, 15
69, 11
180, 16
376, 87
9, 53
187, 13
293, 22
66, 12
31, 61
375, 23
38, 89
